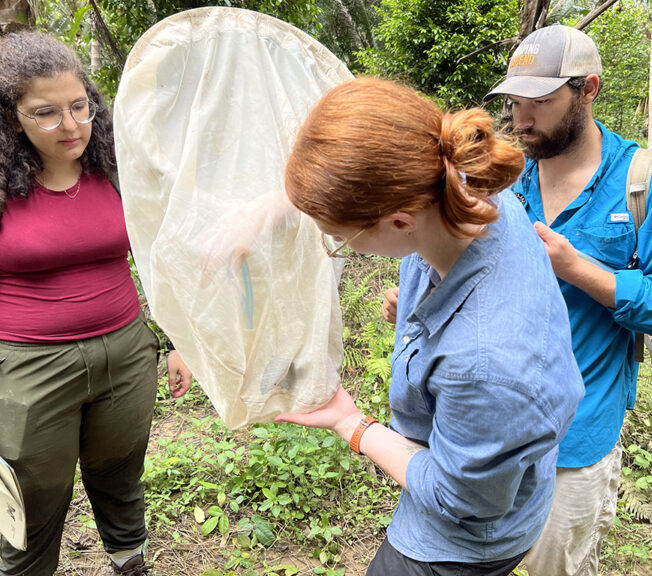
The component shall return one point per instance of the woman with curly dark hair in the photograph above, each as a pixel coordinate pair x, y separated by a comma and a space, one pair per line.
77, 359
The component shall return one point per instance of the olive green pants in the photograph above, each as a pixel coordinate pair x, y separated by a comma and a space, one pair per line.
90, 400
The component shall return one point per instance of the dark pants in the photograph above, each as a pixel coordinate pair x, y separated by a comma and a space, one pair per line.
90, 400
390, 562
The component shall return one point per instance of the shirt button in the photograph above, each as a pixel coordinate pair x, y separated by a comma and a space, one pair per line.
406, 339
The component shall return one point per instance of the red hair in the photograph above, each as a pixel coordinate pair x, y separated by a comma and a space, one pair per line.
371, 147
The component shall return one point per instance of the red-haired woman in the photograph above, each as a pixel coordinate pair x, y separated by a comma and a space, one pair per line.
484, 384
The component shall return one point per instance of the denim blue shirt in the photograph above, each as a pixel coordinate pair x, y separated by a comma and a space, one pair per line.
599, 224
483, 375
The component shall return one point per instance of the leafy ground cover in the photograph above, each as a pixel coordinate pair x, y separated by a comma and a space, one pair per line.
284, 500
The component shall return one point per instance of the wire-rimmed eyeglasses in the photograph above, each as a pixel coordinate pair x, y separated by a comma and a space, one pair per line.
50, 117
334, 248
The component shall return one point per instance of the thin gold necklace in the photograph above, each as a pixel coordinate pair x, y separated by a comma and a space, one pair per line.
71, 195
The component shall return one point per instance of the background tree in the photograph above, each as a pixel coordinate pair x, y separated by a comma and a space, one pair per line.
15, 14
533, 15
423, 41
347, 27
622, 35
453, 51
457, 51
117, 25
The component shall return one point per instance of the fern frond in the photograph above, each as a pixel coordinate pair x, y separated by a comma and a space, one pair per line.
636, 499
353, 358
380, 367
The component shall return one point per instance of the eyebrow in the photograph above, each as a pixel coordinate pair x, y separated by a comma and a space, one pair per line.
46, 103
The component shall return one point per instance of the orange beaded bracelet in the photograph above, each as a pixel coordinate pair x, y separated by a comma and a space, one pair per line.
362, 427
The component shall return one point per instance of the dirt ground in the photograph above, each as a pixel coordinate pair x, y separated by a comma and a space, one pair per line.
82, 553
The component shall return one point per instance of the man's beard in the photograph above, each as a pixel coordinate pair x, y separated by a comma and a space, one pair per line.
563, 137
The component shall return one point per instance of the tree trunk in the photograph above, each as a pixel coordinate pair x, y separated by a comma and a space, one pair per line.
96, 47
349, 25
533, 16
16, 14
106, 35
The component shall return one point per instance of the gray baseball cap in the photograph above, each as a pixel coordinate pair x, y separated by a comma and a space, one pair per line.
546, 60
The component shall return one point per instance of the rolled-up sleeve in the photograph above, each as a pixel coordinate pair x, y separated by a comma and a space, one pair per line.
634, 287
474, 466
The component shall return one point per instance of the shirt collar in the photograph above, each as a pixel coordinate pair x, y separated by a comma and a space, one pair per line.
446, 296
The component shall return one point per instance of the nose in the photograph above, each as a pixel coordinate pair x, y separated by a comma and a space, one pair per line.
67, 121
523, 116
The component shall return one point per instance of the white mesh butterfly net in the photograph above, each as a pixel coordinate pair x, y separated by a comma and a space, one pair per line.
205, 116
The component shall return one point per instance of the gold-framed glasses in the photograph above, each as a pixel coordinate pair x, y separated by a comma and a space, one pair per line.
50, 117
333, 248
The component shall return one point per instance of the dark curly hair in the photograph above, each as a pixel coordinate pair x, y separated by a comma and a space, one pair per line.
24, 56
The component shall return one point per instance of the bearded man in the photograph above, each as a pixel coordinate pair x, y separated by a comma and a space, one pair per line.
573, 189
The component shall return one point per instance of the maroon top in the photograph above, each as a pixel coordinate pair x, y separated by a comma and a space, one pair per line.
64, 273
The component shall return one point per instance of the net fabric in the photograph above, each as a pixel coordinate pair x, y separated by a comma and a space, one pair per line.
205, 115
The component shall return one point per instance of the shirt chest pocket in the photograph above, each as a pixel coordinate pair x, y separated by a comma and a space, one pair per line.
613, 245
409, 393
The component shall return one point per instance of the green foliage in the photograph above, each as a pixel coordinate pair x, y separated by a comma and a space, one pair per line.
346, 27
622, 35
629, 544
424, 43
281, 481
636, 477
421, 42
126, 21
276, 481
368, 339
61, 19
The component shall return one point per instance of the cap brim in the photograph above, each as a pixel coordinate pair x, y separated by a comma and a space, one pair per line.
526, 87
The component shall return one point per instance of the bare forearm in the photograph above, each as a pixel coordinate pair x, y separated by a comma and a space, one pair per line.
386, 448
389, 450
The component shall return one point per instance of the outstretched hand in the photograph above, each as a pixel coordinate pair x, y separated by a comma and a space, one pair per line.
340, 415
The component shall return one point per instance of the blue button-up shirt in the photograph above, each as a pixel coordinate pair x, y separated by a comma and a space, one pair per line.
483, 375
599, 224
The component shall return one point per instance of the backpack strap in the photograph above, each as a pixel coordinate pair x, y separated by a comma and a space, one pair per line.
638, 185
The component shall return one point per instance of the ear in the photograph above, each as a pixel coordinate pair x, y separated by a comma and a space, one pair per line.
400, 221
591, 88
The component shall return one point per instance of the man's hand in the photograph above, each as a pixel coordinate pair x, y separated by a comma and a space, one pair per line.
390, 304
179, 375
563, 257
569, 266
